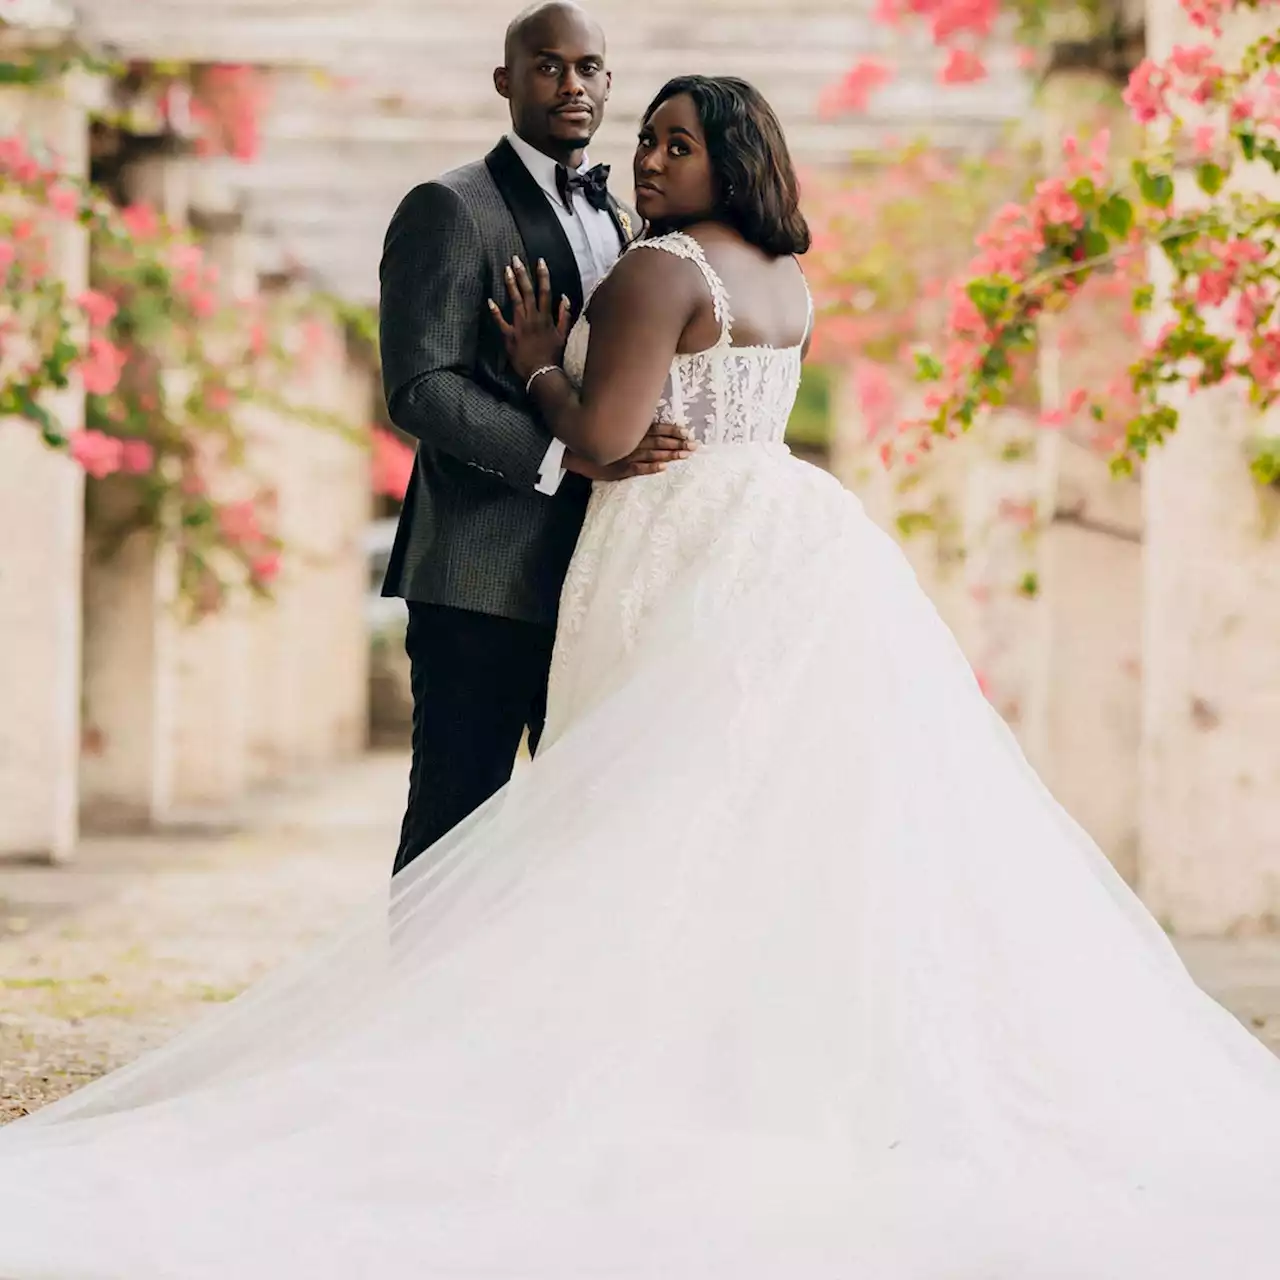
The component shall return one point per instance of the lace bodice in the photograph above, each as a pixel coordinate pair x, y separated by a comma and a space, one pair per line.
725, 394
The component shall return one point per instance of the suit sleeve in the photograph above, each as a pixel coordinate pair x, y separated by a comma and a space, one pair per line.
434, 292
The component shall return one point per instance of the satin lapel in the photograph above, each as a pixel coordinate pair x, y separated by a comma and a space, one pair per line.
536, 221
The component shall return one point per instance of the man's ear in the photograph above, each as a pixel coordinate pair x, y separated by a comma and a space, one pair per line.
502, 82
608, 84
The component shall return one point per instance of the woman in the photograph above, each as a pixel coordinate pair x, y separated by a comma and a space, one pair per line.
777, 963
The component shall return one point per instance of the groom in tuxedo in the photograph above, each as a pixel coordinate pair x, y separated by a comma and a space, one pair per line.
495, 505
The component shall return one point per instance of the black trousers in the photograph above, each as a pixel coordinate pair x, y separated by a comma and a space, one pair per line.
479, 682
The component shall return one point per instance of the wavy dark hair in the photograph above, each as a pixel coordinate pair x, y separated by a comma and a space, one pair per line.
756, 188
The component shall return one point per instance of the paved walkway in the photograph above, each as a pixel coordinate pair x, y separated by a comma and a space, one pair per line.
109, 956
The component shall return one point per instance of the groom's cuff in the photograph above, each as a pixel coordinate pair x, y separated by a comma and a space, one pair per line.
551, 472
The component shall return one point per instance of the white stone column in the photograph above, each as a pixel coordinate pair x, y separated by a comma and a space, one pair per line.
130, 676
920, 504
1082, 712
1001, 534
309, 665
1209, 860
41, 532
210, 723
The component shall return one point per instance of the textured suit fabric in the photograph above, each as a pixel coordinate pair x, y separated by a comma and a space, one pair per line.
474, 533
480, 554
478, 683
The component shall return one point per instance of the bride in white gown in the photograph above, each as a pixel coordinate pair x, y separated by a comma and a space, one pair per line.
778, 963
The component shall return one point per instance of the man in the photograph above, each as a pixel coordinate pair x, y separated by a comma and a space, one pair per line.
494, 506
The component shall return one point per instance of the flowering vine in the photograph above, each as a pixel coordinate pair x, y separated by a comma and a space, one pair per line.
1216, 246
165, 361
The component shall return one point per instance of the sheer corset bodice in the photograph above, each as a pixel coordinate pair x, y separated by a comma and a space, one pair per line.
725, 394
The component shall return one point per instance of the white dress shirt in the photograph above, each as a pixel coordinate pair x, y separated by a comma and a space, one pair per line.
592, 236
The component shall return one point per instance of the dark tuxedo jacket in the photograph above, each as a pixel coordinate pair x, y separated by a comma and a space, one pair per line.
474, 532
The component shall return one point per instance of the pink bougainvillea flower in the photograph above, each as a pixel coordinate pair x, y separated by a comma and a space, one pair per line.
1264, 363
1205, 139
1146, 93
955, 17
266, 567
136, 456
13, 152
99, 454
1250, 306
852, 93
1206, 13
239, 522
140, 221
186, 257
98, 308
64, 202
101, 366
218, 398
962, 66
392, 464
203, 303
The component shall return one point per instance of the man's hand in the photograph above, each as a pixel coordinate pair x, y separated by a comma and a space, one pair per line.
664, 445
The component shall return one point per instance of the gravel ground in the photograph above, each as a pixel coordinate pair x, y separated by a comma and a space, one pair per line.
110, 955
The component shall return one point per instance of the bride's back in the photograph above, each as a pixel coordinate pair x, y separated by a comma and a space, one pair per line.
736, 370
766, 295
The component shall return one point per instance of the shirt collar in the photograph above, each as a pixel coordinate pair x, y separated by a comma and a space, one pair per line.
543, 168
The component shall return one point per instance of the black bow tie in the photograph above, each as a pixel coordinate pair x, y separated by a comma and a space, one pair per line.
593, 184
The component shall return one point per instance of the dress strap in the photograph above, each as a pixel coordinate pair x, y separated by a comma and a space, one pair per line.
680, 245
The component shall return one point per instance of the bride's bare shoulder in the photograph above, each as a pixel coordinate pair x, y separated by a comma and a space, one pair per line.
645, 277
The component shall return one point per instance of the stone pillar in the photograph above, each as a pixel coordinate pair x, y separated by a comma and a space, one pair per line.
324, 515
130, 676
41, 529
1209, 861
211, 655
918, 503
1001, 566
309, 669
1082, 717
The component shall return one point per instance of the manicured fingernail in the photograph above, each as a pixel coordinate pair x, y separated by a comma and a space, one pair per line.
518, 263
542, 264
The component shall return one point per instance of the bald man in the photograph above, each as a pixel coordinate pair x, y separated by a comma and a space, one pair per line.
495, 504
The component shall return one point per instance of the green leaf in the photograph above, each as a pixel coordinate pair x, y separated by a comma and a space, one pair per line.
1096, 244
1270, 152
990, 298
1157, 190
1029, 586
1210, 177
912, 522
1144, 297
1265, 464
1083, 191
19, 73
1248, 145
1116, 215
928, 367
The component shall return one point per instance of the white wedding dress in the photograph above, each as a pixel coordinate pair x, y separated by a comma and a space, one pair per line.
777, 964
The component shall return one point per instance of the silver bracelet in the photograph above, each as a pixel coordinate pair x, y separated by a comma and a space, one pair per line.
537, 373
